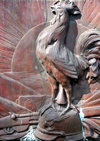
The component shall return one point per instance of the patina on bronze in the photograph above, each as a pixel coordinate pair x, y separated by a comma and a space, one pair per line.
58, 61
52, 125
64, 68
74, 71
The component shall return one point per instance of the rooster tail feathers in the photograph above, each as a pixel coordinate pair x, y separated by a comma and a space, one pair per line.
83, 62
88, 44
88, 50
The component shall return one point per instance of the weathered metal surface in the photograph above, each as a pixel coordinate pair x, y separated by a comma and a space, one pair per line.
24, 85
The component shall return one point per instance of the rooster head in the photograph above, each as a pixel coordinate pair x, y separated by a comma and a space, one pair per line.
64, 6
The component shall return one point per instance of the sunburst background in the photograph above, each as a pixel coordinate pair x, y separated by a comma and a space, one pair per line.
24, 86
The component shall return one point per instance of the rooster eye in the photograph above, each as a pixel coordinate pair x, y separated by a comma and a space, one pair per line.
52, 42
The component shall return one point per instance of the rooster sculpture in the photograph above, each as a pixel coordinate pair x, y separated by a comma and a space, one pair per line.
60, 63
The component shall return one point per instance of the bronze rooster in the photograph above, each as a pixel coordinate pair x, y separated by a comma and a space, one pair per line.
59, 62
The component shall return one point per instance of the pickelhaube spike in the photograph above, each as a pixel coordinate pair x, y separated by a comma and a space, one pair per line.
61, 98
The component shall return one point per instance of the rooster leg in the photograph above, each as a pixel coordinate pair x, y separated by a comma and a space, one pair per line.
55, 87
74, 108
68, 91
69, 102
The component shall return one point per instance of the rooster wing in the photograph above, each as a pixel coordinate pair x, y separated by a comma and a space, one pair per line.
64, 60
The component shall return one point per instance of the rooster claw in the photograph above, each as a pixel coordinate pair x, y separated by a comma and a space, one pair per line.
53, 106
74, 108
68, 108
65, 110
